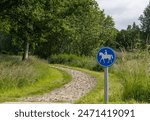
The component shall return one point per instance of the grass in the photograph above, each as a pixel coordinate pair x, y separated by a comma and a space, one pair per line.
129, 80
75, 61
20, 79
133, 71
95, 96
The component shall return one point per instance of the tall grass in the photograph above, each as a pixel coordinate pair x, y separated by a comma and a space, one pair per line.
18, 78
133, 71
130, 74
14, 73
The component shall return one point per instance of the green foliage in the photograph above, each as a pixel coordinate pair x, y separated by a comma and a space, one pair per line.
5, 43
108, 33
136, 37
72, 26
90, 29
145, 25
129, 39
26, 78
11, 69
77, 61
4, 25
132, 71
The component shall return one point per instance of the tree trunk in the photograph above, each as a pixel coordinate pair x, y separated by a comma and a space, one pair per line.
26, 51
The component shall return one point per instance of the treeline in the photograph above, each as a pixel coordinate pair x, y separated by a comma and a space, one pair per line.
48, 27
136, 36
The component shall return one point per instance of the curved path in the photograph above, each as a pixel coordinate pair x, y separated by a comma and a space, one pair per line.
80, 84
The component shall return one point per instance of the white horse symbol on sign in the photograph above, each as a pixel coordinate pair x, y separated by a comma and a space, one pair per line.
105, 56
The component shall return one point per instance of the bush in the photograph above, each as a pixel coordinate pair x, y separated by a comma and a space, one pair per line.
76, 61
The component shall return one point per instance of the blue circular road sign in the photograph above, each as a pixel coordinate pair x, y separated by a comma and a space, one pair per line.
106, 56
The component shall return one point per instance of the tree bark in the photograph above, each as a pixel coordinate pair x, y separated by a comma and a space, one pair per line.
26, 51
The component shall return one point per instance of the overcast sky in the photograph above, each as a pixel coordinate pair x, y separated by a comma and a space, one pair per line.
124, 12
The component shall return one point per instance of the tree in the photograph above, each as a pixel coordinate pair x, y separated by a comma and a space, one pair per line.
145, 25
108, 33
24, 17
129, 39
78, 27
57, 26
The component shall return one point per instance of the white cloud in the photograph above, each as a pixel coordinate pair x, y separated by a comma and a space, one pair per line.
124, 12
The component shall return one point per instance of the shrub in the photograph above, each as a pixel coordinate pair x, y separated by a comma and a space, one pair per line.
76, 61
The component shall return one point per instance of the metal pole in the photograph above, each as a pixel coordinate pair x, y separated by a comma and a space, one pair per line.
106, 85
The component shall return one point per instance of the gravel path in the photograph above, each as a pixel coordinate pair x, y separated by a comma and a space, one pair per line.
80, 84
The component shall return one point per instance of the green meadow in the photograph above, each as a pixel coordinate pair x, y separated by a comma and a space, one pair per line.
21, 79
129, 77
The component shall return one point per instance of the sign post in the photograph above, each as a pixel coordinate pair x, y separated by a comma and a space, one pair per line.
106, 57
106, 85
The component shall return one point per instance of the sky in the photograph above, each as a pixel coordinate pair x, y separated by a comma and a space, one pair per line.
123, 12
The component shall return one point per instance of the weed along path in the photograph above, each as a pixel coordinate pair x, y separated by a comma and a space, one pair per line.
80, 85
